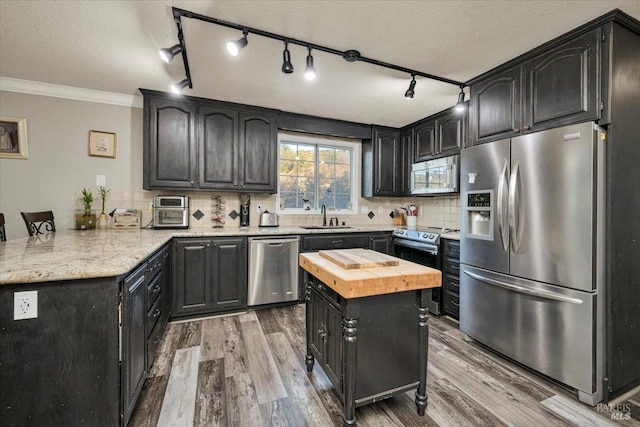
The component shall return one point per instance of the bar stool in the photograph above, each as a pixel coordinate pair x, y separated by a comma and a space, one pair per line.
3, 234
35, 221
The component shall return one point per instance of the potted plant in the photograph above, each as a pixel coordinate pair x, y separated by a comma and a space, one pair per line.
86, 219
102, 221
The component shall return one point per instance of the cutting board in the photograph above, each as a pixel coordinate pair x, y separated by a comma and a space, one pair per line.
358, 258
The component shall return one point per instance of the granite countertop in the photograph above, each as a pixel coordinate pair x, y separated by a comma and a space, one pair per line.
70, 255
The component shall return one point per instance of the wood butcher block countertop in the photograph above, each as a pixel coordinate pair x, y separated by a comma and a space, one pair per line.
366, 282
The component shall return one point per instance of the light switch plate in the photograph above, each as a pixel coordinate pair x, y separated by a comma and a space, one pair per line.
25, 305
101, 180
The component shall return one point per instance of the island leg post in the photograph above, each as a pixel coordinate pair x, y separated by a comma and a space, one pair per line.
423, 327
309, 360
349, 332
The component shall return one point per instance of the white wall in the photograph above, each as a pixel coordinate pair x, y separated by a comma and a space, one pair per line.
59, 165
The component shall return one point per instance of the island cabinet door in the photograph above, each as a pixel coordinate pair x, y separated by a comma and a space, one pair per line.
229, 264
333, 350
192, 290
316, 311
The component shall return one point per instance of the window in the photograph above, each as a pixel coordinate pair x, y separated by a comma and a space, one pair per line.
316, 171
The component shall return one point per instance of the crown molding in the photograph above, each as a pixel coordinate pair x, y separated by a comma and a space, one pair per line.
69, 92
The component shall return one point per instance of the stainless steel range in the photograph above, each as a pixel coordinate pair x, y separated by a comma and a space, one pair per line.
422, 246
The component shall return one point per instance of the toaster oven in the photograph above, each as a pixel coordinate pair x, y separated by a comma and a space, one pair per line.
171, 212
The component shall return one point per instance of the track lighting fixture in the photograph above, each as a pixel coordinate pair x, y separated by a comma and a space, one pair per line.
177, 87
461, 106
411, 91
234, 47
287, 66
309, 72
168, 53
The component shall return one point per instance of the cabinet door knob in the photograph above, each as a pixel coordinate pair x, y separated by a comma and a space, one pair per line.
526, 127
516, 129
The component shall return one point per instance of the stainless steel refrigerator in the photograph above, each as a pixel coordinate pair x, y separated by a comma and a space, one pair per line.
532, 252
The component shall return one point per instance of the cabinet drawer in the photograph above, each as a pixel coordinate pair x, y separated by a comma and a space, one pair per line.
154, 265
452, 266
452, 249
153, 342
451, 284
153, 315
452, 305
328, 293
153, 290
335, 241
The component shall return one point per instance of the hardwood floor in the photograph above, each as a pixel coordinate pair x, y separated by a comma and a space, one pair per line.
248, 370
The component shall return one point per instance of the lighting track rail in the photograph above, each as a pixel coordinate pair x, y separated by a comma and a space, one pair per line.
348, 55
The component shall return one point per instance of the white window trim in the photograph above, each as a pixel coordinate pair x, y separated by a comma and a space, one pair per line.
329, 141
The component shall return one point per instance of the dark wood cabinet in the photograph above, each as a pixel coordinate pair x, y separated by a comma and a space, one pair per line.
169, 144
166, 285
258, 152
557, 87
209, 275
196, 143
451, 132
381, 242
218, 147
334, 241
496, 106
424, 140
406, 159
380, 166
229, 274
192, 272
451, 277
561, 85
134, 338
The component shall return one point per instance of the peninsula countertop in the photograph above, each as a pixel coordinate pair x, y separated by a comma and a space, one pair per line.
71, 255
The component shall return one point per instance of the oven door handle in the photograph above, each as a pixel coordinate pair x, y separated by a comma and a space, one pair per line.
414, 245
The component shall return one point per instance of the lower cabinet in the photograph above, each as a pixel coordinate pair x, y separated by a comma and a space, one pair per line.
381, 242
451, 278
134, 339
209, 275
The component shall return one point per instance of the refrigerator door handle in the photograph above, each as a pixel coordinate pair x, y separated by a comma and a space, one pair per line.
504, 229
522, 290
514, 207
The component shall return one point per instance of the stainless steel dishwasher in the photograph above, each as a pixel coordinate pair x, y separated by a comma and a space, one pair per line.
273, 269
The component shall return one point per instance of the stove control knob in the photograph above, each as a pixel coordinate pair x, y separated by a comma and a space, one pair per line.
431, 236
424, 235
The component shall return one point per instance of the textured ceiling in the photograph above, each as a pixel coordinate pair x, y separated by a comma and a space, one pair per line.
112, 46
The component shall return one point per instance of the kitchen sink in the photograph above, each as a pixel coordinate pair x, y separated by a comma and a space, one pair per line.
325, 227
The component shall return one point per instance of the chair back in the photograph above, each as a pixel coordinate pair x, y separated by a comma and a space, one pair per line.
39, 222
3, 234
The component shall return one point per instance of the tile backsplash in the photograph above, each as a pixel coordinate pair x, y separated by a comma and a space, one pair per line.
441, 211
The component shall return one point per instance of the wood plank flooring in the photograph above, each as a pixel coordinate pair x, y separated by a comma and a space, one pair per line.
248, 370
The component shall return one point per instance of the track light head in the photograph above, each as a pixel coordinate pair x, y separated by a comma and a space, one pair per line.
168, 53
460, 106
309, 72
177, 87
287, 66
235, 46
411, 91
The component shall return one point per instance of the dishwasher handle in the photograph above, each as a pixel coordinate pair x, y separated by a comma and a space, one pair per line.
271, 241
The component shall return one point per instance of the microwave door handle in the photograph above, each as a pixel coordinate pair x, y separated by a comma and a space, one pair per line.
502, 218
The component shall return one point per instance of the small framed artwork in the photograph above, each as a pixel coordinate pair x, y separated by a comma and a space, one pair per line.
13, 138
102, 144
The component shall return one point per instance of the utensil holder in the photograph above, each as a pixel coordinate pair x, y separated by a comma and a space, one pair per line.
412, 221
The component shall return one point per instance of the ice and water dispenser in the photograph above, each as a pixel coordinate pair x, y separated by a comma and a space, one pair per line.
478, 214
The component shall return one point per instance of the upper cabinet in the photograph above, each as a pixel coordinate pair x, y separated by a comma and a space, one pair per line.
440, 135
203, 144
169, 150
555, 88
380, 166
424, 140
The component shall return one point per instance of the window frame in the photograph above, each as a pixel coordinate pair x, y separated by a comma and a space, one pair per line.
330, 142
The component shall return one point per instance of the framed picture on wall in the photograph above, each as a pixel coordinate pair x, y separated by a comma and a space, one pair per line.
13, 138
102, 144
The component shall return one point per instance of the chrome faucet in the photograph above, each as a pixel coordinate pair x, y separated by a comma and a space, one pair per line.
323, 211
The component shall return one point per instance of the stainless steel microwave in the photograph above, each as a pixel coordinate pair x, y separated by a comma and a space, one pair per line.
437, 176
170, 212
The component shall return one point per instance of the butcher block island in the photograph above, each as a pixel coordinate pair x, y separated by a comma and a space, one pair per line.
367, 324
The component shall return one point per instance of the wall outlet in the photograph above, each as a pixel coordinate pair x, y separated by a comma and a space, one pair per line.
25, 305
101, 180
380, 209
